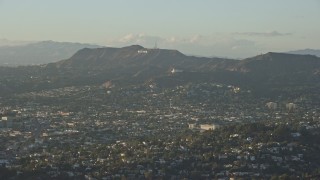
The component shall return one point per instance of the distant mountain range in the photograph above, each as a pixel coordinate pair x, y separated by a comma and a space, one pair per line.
6, 42
23, 53
138, 60
315, 52
138, 65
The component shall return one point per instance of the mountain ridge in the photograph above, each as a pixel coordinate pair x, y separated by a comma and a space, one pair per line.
39, 52
136, 64
315, 52
280, 62
132, 56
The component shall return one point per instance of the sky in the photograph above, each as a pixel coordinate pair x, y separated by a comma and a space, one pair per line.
223, 28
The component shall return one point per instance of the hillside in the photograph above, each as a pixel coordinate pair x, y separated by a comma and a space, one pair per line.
138, 56
315, 52
137, 65
278, 64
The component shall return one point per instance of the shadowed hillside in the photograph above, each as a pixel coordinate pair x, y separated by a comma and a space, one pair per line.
136, 64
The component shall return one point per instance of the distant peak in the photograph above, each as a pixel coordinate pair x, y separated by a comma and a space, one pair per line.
271, 54
278, 54
48, 41
315, 52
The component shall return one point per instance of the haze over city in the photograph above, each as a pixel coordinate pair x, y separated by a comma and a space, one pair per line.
167, 89
235, 29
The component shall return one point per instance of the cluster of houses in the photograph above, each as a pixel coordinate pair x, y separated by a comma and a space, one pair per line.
98, 128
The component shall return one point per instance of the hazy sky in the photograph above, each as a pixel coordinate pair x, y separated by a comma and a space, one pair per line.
233, 28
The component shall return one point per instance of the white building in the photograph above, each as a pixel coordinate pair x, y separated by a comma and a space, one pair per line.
173, 71
192, 126
208, 127
271, 105
291, 106
202, 127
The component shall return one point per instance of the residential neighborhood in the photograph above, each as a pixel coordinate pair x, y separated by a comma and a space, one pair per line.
203, 131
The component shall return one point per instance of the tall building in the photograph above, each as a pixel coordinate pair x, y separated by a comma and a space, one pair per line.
6, 122
271, 105
291, 106
3, 122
